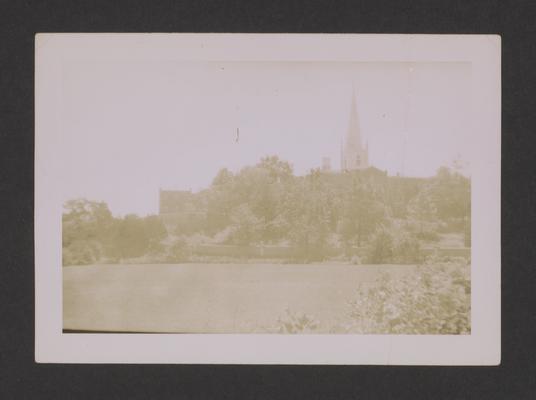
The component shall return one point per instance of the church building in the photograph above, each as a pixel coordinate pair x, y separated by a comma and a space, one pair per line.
354, 155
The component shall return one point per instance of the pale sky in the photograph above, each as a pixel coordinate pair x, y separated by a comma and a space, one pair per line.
129, 129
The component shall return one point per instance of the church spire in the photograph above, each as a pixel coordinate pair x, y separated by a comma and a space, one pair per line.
353, 135
355, 156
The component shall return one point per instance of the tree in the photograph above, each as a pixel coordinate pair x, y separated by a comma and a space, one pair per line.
423, 207
277, 169
308, 209
84, 219
87, 227
224, 177
136, 236
155, 232
451, 193
130, 239
363, 212
246, 225
261, 189
380, 247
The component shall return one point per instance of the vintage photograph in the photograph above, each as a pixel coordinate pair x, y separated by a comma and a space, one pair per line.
266, 197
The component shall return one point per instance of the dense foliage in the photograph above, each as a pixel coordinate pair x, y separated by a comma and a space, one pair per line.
431, 300
318, 214
267, 204
91, 234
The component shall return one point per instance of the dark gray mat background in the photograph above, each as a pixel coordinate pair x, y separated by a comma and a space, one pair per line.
21, 378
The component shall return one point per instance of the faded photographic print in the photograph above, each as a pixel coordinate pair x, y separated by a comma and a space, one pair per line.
268, 199
287, 197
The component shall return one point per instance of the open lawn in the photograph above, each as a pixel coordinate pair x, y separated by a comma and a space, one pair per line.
211, 298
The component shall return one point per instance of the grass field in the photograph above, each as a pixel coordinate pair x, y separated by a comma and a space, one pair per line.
211, 298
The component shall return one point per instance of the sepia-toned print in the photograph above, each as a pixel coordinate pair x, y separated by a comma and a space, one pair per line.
267, 197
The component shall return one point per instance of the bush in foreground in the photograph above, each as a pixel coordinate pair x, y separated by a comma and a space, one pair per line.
292, 322
431, 300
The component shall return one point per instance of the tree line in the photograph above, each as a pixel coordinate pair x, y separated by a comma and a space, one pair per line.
267, 204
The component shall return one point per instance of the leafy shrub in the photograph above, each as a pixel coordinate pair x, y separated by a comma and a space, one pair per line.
296, 323
428, 235
437, 258
431, 300
406, 249
176, 250
380, 247
246, 225
170, 250
224, 236
393, 246
82, 252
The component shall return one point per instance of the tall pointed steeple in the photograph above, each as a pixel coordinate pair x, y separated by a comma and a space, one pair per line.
353, 135
354, 156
